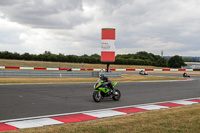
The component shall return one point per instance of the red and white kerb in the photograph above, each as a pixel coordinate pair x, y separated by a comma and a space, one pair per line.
108, 45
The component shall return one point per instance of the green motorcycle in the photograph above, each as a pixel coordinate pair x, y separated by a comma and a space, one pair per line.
102, 91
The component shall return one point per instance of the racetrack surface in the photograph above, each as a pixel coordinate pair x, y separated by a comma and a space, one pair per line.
29, 100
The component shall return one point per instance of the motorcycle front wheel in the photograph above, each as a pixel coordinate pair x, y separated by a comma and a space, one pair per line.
117, 95
97, 96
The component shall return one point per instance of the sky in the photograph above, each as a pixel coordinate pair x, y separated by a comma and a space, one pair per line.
74, 26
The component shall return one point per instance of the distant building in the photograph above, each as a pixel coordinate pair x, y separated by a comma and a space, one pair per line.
192, 65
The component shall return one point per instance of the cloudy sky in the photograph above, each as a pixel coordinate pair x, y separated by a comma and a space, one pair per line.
74, 26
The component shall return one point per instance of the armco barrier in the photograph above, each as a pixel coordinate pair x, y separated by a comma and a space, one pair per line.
36, 73
42, 74
110, 75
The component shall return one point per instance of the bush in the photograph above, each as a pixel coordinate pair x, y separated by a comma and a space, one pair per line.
176, 62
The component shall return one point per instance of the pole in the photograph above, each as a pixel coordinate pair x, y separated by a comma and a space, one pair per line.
108, 67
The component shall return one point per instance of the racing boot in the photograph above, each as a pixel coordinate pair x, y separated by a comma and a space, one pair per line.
112, 89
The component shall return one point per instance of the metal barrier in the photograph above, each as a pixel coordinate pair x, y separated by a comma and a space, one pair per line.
111, 75
30, 73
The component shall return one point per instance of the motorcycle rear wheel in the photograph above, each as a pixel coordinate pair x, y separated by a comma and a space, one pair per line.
97, 96
117, 96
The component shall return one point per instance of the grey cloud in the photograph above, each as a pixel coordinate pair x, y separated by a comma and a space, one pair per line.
106, 7
164, 19
7, 2
138, 23
44, 14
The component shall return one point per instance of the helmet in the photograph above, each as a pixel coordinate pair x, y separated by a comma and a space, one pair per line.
101, 76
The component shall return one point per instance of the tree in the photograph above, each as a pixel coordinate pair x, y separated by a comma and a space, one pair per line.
16, 56
176, 62
6, 55
26, 56
61, 57
161, 62
72, 58
95, 56
142, 55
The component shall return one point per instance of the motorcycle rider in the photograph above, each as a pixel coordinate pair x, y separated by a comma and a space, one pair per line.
108, 82
141, 71
185, 75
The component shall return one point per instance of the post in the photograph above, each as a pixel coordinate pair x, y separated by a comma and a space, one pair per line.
108, 67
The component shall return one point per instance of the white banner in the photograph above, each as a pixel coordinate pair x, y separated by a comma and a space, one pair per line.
108, 45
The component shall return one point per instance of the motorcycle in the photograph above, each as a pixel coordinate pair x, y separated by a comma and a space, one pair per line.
186, 75
143, 73
102, 91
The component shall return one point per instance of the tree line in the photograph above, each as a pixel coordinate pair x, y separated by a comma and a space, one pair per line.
139, 58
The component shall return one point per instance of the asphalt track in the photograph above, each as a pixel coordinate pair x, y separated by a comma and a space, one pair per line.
20, 101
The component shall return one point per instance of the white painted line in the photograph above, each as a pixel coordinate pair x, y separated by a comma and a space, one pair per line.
52, 68
152, 107
139, 69
27, 68
120, 69
105, 113
2, 67
162, 81
189, 70
97, 70
184, 102
76, 69
168, 81
24, 124
173, 69
157, 69
46, 121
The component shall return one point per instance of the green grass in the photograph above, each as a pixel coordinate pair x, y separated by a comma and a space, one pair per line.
45, 64
125, 78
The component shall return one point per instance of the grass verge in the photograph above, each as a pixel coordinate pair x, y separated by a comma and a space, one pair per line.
46, 64
125, 78
173, 120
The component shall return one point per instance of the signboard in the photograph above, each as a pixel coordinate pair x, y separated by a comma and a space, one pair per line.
108, 45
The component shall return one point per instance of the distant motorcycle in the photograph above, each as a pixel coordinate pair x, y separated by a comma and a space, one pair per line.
143, 73
70, 69
101, 91
186, 75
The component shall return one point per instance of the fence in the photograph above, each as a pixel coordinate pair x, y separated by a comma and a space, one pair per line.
55, 74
